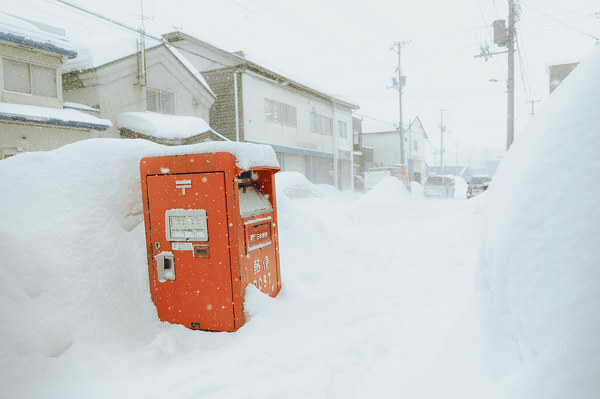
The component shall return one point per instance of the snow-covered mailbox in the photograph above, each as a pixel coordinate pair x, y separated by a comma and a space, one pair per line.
211, 229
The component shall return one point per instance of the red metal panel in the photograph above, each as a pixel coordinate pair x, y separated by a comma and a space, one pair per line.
261, 263
201, 292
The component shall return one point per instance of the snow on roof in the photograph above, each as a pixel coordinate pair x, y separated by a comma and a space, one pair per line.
153, 124
84, 59
82, 107
51, 116
190, 67
248, 155
30, 34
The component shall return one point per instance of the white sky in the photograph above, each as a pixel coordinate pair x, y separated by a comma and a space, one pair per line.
343, 48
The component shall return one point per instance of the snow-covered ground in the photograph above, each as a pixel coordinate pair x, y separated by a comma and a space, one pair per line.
371, 284
385, 294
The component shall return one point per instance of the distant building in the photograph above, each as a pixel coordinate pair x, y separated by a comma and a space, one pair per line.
386, 148
310, 131
33, 116
416, 136
362, 156
558, 73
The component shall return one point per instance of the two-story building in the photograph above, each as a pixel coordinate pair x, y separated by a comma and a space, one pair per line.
386, 148
310, 131
33, 116
155, 94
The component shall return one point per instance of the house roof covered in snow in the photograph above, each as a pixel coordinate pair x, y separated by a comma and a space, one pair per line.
23, 32
51, 116
74, 67
190, 68
240, 60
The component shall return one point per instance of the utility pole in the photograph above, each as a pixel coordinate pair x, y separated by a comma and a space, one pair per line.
398, 84
505, 37
510, 84
442, 129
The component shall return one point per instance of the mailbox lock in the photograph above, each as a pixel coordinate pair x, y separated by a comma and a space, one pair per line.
157, 245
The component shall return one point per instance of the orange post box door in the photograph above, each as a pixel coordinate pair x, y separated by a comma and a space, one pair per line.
191, 273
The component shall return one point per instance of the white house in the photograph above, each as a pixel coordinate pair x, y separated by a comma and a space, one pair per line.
386, 148
33, 116
156, 94
310, 131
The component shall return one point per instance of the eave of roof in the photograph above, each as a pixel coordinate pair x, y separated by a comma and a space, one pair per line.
51, 122
18, 113
44, 46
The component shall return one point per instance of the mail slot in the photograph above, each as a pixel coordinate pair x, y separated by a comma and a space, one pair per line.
211, 229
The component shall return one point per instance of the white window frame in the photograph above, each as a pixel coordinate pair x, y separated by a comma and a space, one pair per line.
342, 127
160, 93
32, 87
321, 124
280, 113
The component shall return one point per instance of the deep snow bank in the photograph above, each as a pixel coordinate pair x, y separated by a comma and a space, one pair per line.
64, 277
73, 248
538, 261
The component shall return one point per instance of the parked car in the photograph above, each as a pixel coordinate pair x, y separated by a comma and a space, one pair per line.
477, 185
439, 186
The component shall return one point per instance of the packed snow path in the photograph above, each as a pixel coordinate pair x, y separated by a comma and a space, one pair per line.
400, 269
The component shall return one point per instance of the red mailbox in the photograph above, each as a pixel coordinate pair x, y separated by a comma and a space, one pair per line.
211, 229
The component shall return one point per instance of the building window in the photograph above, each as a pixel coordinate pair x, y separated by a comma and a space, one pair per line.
342, 129
280, 113
27, 78
160, 101
415, 145
321, 124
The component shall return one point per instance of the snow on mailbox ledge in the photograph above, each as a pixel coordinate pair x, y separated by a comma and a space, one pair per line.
248, 155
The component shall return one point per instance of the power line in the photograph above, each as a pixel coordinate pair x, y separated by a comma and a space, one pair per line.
37, 9
524, 77
375, 119
129, 28
562, 23
375, 26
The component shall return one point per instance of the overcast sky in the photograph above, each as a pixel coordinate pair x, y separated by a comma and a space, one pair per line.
342, 47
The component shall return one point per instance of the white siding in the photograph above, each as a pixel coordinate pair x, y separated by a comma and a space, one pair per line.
257, 128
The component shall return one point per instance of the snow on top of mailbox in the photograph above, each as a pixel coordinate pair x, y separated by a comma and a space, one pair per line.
248, 155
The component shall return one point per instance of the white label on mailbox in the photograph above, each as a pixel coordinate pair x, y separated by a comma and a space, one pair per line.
186, 225
182, 246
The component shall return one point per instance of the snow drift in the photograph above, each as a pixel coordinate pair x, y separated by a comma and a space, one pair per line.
78, 321
538, 261
295, 185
